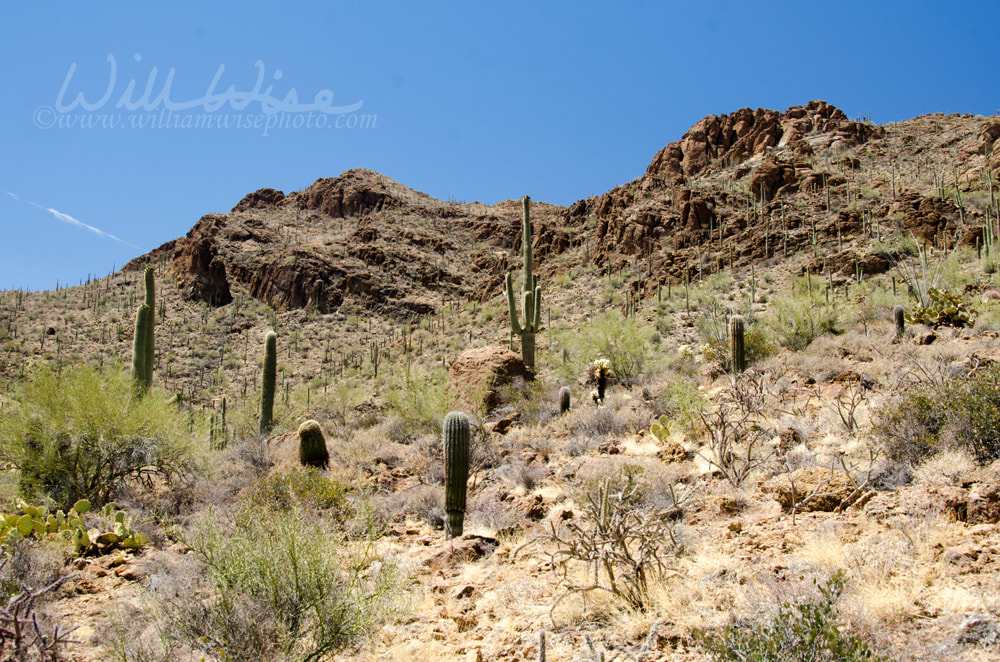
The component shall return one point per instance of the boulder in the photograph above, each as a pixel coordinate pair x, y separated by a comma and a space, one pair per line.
478, 374
816, 490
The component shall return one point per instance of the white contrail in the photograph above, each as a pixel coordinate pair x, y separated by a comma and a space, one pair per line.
66, 218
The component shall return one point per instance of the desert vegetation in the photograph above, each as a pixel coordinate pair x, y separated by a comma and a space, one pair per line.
756, 416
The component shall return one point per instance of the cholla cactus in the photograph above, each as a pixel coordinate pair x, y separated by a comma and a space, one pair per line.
602, 367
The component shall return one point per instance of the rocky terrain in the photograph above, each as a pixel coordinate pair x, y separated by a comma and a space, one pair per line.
390, 310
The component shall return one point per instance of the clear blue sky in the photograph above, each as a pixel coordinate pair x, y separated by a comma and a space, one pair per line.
467, 101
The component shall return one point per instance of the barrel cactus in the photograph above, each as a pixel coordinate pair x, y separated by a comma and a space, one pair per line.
312, 446
564, 399
267, 386
456, 469
602, 368
899, 318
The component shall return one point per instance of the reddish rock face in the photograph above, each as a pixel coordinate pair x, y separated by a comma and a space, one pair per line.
477, 375
260, 199
351, 194
198, 266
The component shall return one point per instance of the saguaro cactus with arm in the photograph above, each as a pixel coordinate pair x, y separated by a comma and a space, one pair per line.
531, 296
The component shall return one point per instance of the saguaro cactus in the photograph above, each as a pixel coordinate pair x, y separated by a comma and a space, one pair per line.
267, 385
564, 399
737, 343
456, 469
141, 378
312, 446
531, 296
150, 341
898, 317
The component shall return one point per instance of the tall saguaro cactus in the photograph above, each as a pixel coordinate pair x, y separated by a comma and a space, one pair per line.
267, 383
531, 296
456, 469
140, 377
737, 343
150, 340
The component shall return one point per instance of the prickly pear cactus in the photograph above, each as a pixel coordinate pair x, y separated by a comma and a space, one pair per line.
660, 428
456, 469
38, 522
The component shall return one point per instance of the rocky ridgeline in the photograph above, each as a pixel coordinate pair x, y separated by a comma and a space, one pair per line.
735, 189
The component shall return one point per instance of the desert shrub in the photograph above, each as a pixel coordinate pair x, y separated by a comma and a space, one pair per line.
82, 435
623, 340
300, 487
799, 633
683, 403
278, 587
622, 545
962, 412
795, 320
420, 403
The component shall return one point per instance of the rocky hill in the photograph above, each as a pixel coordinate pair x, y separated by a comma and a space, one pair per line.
739, 188
743, 493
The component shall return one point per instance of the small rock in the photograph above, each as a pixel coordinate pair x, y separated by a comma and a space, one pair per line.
978, 629
925, 338
960, 555
672, 452
463, 592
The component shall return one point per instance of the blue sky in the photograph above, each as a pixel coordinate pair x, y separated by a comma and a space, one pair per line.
466, 101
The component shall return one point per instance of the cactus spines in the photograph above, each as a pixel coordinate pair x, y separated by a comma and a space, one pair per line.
564, 399
601, 369
312, 446
267, 382
898, 317
531, 296
456, 469
140, 377
736, 341
150, 340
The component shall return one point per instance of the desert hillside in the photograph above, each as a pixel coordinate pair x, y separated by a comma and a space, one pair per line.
797, 315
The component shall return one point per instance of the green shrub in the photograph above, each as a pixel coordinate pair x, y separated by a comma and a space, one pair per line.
795, 321
800, 633
300, 487
279, 587
82, 435
963, 412
624, 341
420, 402
683, 403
